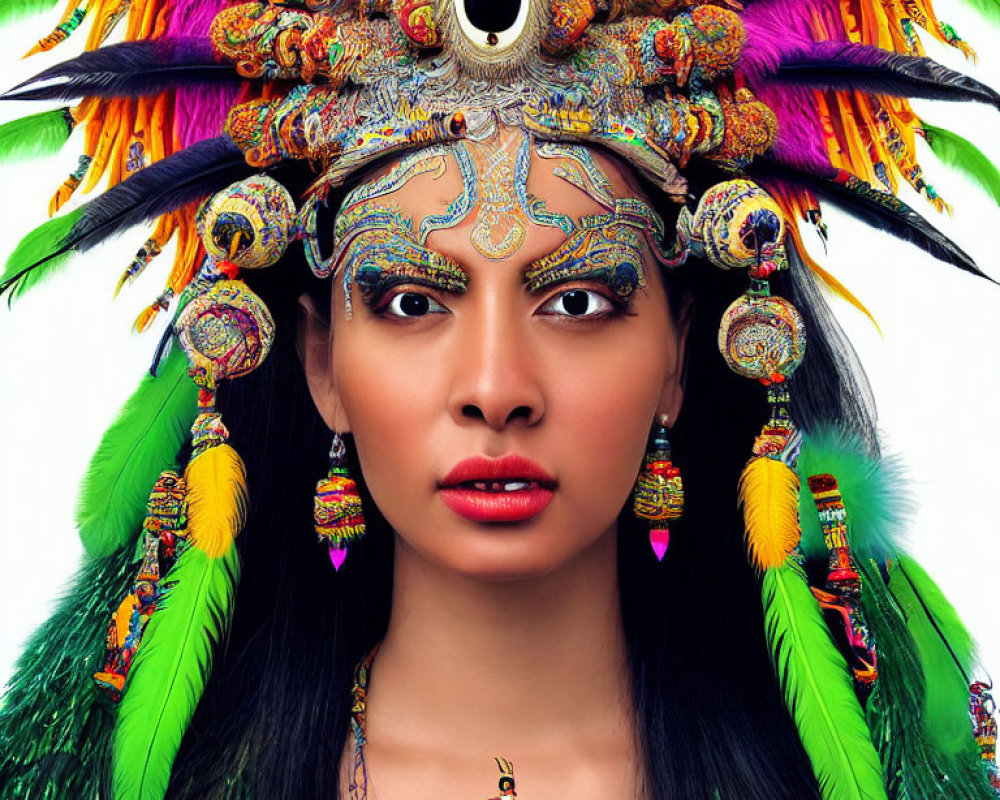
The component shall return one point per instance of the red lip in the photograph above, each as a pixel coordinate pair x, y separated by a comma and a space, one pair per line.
481, 504
506, 467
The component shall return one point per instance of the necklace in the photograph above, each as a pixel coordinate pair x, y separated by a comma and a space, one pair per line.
358, 788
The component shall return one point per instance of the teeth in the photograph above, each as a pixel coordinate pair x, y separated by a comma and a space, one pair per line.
501, 486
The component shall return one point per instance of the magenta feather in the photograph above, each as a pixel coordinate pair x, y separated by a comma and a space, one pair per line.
801, 142
199, 111
776, 30
129, 69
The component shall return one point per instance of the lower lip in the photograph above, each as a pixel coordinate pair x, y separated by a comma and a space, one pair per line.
480, 506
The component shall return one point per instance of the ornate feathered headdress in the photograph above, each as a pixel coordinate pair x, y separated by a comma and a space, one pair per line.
791, 101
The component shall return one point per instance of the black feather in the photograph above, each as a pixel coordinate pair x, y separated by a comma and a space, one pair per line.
129, 69
845, 66
189, 175
878, 209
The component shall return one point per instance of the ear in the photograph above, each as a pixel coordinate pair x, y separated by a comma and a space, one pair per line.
313, 345
672, 398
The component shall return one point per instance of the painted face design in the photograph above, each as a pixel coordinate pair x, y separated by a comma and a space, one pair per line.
378, 247
379, 252
607, 248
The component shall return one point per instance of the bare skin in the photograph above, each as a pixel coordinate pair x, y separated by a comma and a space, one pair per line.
504, 639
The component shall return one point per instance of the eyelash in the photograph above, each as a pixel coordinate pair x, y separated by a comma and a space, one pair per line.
382, 305
616, 306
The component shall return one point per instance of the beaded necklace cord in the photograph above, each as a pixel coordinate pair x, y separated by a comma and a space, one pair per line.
358, 788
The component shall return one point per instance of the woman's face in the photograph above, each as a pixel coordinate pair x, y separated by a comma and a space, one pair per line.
501, 376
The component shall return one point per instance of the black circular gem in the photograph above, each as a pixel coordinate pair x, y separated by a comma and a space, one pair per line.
492, 15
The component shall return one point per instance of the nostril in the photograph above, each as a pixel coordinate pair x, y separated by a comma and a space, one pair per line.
471, 411
521, 412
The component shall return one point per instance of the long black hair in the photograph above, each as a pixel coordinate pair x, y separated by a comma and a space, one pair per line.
274, 718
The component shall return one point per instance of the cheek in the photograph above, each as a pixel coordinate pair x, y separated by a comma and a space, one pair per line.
601, 414
386, 396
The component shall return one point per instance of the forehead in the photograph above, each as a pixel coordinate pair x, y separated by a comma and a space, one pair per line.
498, 188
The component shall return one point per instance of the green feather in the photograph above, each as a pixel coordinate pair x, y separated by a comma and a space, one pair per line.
987, 9
55, 734
13, 10
818, 689
896, 703
170, 670
873, 490
962, 155
34, 253
142, 442
913, 765
35, 136
945, 650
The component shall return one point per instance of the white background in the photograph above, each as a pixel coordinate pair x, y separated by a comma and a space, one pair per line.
68, 361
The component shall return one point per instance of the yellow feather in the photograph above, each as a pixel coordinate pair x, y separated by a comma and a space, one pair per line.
769, 495
217, 499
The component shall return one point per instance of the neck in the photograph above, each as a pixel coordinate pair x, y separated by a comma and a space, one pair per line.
507, 666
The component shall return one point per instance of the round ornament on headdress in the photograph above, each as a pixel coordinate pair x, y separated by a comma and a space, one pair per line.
762, 338
248, 224
740, 226
225, 332
493, 40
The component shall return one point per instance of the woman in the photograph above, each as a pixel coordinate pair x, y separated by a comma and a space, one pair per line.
477, 363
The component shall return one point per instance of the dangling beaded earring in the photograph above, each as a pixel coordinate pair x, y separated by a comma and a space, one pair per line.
337, 512
659, 491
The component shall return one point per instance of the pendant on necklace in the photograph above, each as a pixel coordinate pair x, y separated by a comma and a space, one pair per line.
506, 782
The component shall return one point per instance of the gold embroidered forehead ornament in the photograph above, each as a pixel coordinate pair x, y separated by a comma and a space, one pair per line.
373, 235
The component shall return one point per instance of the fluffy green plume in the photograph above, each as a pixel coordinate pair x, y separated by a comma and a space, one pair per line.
20, 273
818, 689
988, 9
945, 650
55, 734
142, 442
171, 666
36, 136
13, 10
912, 763
962, 155
873, 491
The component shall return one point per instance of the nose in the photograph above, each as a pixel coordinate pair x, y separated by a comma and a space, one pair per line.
496, 376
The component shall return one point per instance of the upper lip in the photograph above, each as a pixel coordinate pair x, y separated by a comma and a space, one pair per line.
508, 467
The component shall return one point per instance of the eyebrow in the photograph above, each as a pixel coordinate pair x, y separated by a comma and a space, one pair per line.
381, 252
604, 247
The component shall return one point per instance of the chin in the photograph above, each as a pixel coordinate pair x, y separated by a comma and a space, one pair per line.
506, 553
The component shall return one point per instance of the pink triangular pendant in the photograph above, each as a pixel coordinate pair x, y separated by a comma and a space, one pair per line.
659, 540
338, 555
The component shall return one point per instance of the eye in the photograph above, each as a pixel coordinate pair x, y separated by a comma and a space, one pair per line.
413, 304
580, 303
